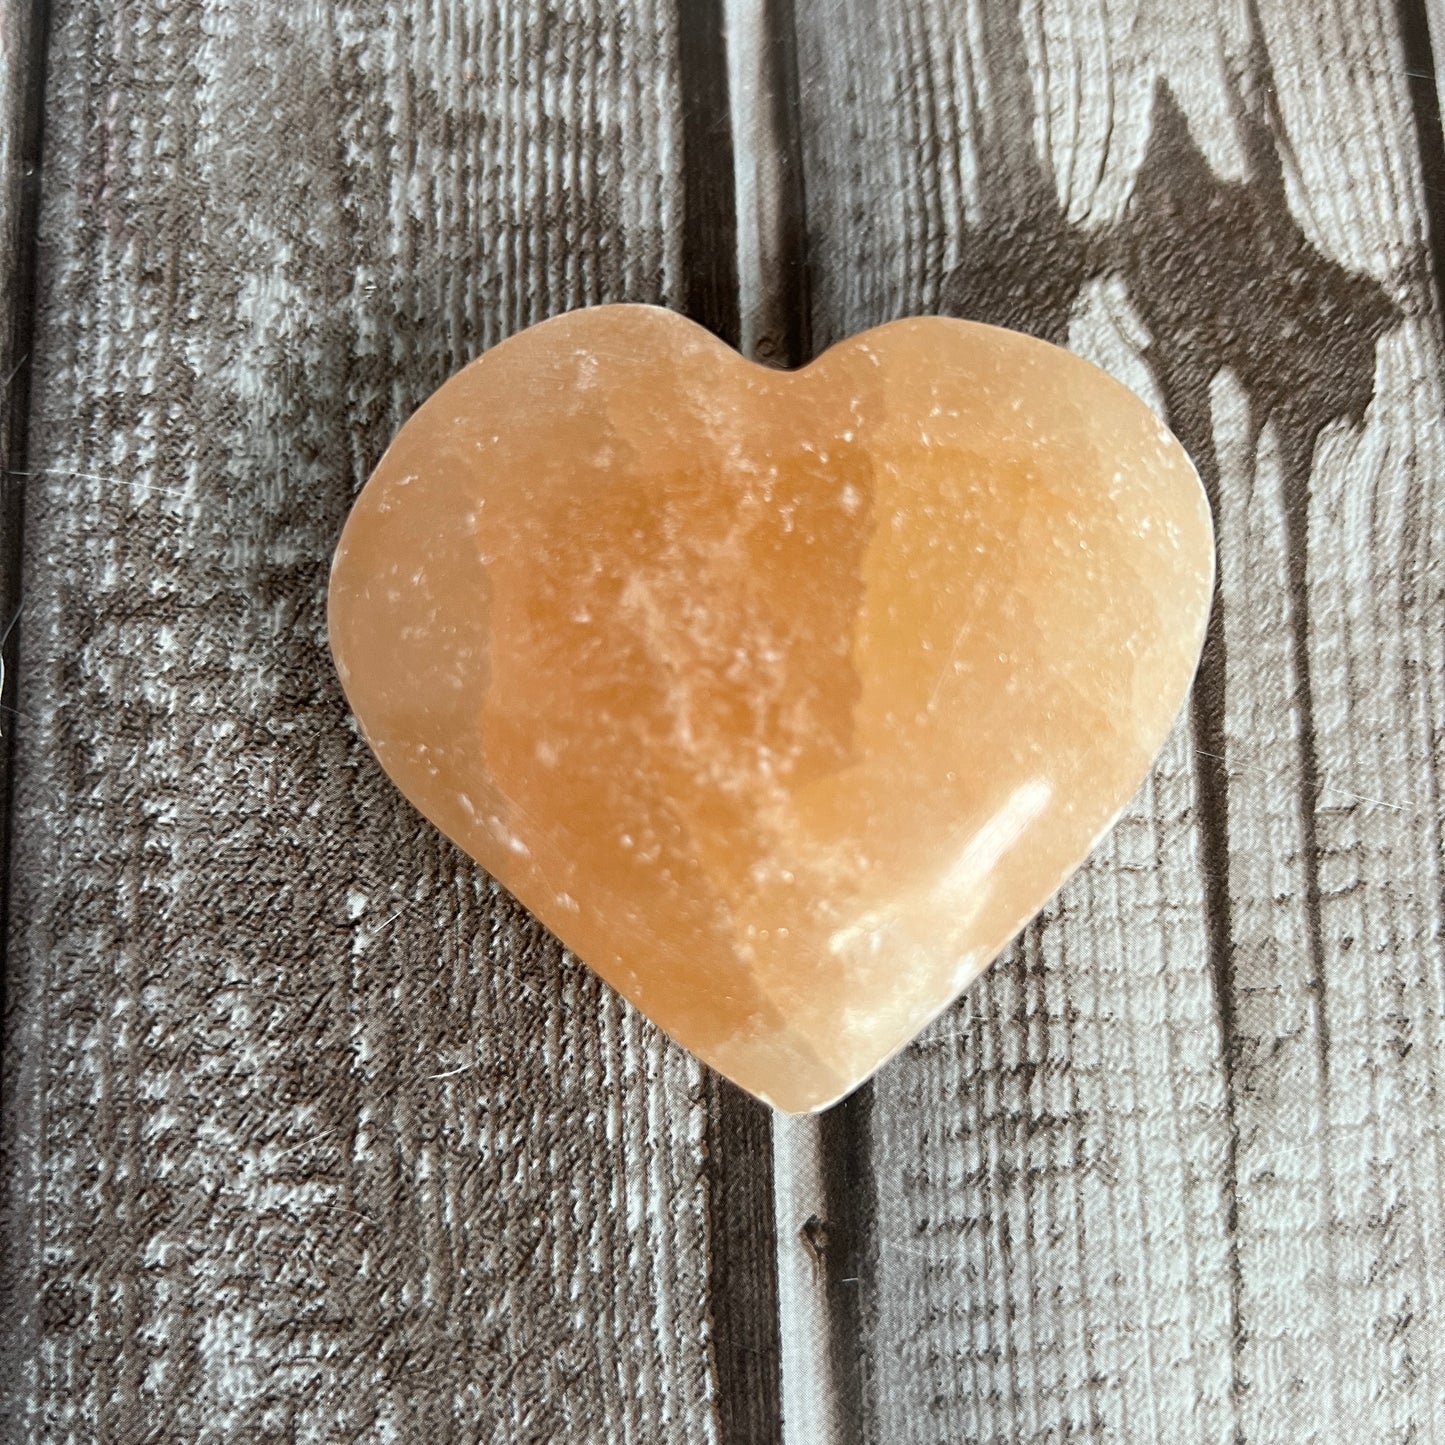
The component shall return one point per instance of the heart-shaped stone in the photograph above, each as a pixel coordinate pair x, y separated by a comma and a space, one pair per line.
784, 699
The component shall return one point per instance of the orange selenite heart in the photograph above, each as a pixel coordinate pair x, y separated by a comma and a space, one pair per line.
784, 699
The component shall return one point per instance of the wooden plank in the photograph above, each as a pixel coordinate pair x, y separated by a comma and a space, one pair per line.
1172, 1170
1360, 456
320, 1136
1323, 449
22, 65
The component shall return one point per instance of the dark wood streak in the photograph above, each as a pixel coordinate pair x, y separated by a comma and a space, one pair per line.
742, 1265
849, 1259
709, 222
1429, 132
1424, 88
1206, 712
1222, 277
793, 346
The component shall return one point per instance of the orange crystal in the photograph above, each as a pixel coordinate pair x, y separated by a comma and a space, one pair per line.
783, 699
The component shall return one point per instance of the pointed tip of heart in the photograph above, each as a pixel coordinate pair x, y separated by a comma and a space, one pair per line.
801, 1085
803, 1102
800, 1092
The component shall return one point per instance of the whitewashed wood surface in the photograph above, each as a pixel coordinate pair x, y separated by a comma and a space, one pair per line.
310, 1134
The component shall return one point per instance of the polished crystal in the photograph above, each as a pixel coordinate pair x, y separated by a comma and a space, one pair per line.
783, 699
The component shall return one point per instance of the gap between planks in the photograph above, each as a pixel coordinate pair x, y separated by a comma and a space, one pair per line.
24, 35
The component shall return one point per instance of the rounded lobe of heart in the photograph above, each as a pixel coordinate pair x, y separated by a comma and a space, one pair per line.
784, 699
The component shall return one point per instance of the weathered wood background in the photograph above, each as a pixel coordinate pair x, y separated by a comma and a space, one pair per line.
311, 1135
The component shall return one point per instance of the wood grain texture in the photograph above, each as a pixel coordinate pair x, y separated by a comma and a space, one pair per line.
1370, 602
313, 1135
1171, 1171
